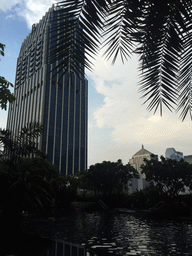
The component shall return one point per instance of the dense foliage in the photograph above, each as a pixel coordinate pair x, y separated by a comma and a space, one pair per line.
5, 94
170, 177
107, 178
22, 145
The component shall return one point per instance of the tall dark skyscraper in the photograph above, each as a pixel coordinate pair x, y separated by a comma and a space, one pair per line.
58, 102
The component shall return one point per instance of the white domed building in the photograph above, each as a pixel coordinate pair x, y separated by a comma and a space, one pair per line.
136, 161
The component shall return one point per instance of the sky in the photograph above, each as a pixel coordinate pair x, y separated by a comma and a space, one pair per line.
118, 122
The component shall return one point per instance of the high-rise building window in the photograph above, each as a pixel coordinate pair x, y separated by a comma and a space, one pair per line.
57, 101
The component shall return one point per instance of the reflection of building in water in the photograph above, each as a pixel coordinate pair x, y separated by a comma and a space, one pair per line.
171, 153
136, 161
57, 101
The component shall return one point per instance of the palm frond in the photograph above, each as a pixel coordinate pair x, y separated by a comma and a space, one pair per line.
185, 79
2, 47
158, 31
79, 40
32, 130
22, 145
159, 56
121, 28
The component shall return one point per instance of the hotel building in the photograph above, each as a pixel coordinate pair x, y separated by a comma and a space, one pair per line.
59, 102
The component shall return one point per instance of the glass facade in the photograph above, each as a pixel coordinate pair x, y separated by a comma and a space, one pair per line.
60, 103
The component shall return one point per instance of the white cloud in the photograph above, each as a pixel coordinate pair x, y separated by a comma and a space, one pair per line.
153, 130
118, 84
123, 116
31, 10
8, 4
34, 10
10, 16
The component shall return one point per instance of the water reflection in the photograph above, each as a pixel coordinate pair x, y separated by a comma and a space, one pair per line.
149, 237
126, 234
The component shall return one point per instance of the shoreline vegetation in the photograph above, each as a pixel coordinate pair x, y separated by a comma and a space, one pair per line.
141, 204
32, 190
24, 236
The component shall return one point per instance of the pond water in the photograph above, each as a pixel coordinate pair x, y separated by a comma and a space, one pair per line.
128, 234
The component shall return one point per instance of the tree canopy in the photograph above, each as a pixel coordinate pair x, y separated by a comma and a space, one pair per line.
169, 176
5, 94
159, 31
109, 177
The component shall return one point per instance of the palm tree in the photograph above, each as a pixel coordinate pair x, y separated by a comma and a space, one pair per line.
159, 31
22, 145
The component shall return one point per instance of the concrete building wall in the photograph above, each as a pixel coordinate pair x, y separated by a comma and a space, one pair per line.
136, 161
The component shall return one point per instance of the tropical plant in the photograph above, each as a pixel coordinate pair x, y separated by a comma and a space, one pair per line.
65, 189
159, 31
23, 186
170, 177
82, 180
5, 94
22, 145
26, 188
23, 189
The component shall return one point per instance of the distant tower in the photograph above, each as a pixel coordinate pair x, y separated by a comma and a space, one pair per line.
61, 105
136, 161
171, 153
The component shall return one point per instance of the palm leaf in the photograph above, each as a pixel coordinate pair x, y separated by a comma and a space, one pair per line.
160, 53
185, 79
159, 31
22, 145
120, 28
82, 21
2, 47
